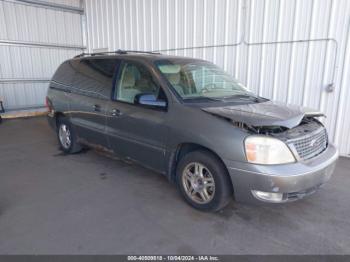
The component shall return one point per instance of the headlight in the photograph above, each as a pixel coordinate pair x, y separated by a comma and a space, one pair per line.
267, 150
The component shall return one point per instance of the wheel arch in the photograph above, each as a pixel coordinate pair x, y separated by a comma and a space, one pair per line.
57, 116
53, 119
185, 148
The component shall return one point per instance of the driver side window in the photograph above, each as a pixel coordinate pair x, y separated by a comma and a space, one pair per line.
134, 79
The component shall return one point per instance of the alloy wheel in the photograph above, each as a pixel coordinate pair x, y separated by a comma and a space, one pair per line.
64, 136
198, 183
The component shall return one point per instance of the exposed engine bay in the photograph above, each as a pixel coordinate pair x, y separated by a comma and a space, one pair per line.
276, 116
270, 118
306, 140
307, 125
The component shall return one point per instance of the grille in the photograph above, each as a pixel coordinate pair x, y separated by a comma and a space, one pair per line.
311, 145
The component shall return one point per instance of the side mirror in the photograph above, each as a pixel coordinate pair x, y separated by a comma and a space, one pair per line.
149, 100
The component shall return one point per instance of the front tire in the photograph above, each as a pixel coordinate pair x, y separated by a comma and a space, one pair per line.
203, 181
67, 138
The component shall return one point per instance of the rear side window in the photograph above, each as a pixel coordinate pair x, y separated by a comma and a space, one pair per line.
63, 76
94, 77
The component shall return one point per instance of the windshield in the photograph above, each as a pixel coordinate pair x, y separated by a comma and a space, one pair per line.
200, 79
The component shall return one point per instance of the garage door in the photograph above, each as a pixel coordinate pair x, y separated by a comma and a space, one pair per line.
35, 37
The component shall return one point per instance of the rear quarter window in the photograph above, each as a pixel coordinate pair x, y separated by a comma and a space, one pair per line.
94, 77
63, 77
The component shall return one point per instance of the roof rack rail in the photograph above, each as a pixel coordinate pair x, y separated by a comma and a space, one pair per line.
119, 52
141, 52
80, 55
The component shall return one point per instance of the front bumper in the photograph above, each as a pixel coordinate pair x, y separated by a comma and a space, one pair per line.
294, 181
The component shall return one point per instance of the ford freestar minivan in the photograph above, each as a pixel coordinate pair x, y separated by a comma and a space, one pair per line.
189, 120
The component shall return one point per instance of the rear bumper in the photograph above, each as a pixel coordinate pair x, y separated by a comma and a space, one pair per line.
294, 181
52, 120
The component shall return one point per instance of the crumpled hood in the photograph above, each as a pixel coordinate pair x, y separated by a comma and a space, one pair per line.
264, 114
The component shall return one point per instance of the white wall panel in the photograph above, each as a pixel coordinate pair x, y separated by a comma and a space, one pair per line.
23, 95
30, 23
23, 67
268, 56
75, 3
32, 64
342, 124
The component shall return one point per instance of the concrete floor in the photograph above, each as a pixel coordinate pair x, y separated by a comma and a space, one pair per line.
52, 203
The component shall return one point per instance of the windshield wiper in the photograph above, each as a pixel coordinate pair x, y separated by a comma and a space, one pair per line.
243, 97
201, 98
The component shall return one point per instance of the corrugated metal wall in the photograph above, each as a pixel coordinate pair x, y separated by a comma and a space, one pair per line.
35, 38
287, 50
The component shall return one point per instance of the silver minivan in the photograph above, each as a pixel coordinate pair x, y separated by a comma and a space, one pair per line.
191, 121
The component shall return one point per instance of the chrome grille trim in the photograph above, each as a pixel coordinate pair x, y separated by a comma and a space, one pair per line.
310, 145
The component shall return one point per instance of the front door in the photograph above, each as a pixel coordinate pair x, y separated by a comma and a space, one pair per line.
135, 131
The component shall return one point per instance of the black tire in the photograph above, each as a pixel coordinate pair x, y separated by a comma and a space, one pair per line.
223, 186
74, 146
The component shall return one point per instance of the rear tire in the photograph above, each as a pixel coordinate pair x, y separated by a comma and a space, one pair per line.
67, 138
204, 181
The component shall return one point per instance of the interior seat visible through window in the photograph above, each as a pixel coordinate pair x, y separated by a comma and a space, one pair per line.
175, 80
127, 89
135, 79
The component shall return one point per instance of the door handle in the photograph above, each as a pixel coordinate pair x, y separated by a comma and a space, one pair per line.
116, 112
97, 108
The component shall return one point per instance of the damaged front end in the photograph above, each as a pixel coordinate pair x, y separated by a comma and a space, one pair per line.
296, 126
286, 150
306, 140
